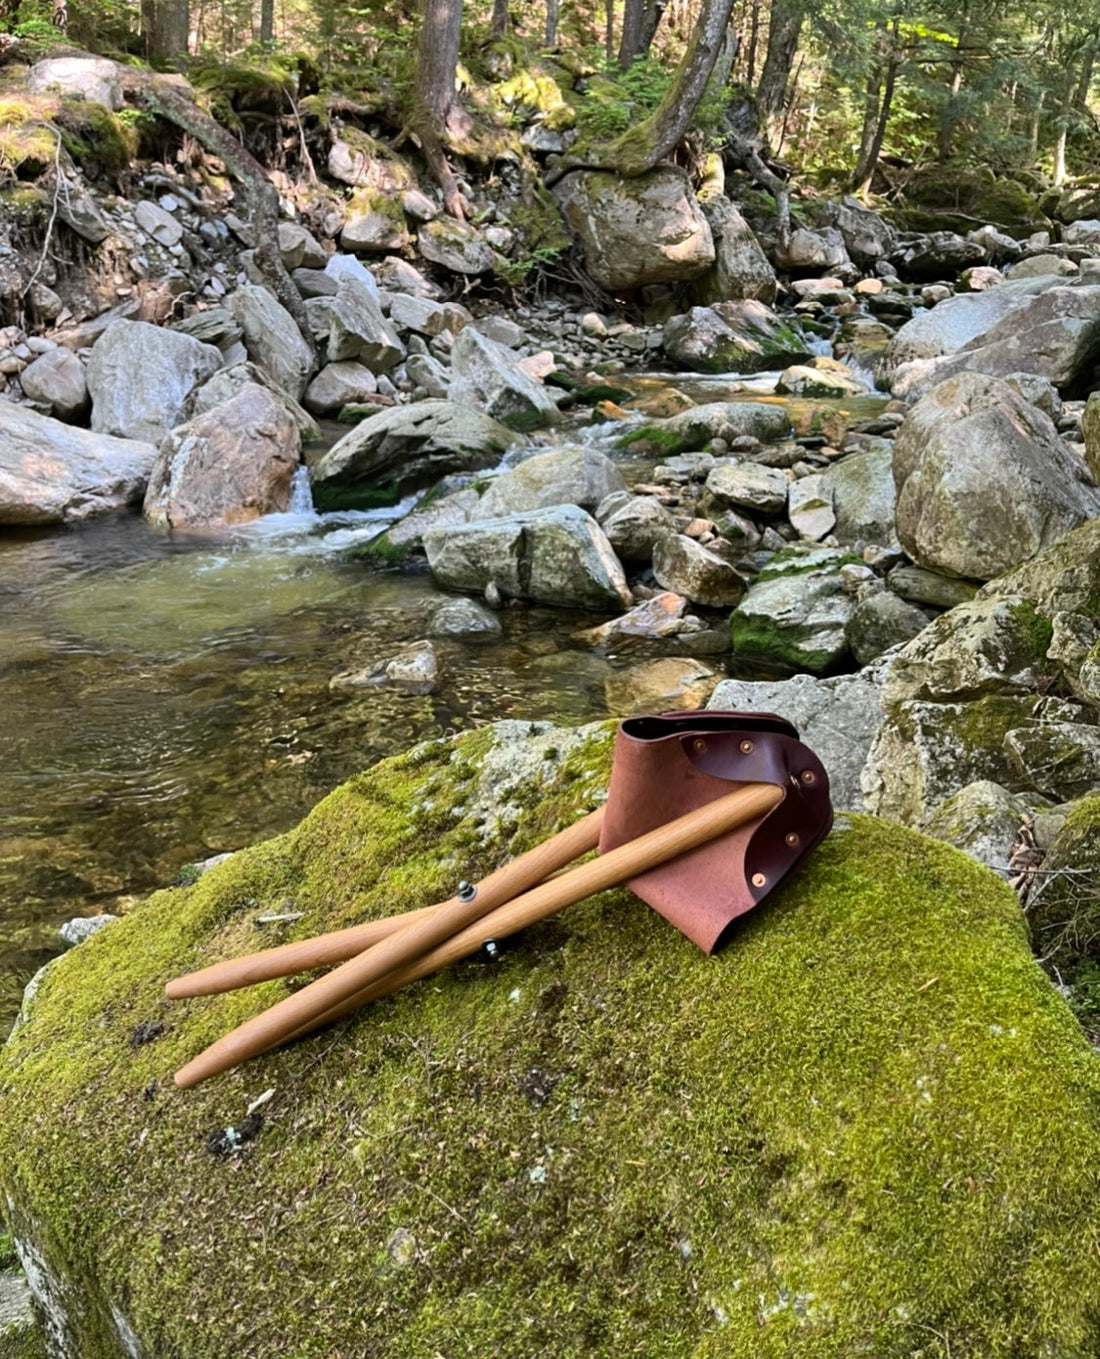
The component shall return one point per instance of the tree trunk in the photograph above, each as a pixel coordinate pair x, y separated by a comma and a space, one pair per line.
754, 38
609, 29
1033, 130
59, 15
552, 11
641, 19
876, 114
949, 116
434, 96
267, 21
165, 26
771, 93
658, 136
498, 26
166, 100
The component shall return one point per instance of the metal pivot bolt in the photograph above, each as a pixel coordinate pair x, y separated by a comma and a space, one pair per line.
759, 880
808, 776
698, 745
747, 747
466, 891
792, 839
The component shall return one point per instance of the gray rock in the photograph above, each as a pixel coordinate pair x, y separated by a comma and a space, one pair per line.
272, 338
740, 268
750, 485
399, 276
229, 381
413, 446
377, 230
1058, 759
982, 820
1090, 432
838, 718
868, 237
940, 254
56, 379
425, 371
214, 326
919, 586
359, 331
338, 385
407, 535
92, 78
864, 499
564, 476
467, 620
557, 556
796, 612
314, 283
926, 752
654, 619
160, 225
51, 473
76, 931
141, 376
879, 622
684, 566
807, 381
411, 312
806, 249
78, 209
1044, 266
637, 231
635, 527
732, 337
983, 480
299, 249
501, 330
728, 420
810, 507
486, 376
456, 246
415, 669
980, 647
227, 466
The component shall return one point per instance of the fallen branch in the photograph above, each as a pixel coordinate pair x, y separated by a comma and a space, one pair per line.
59, 183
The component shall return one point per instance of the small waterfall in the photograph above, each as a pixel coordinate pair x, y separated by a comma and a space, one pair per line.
301, 496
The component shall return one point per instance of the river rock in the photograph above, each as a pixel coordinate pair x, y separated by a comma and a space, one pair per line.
636, 526
92, 78
52, 473
1044, 266
671, 684
795, 612
214, 326
804, 380
1090, 432
728, 420
864, 498
272, 338
467, 620
412, 447
653, 619
837, 717
299, 248
925, 753
879, 622
420, 314
637, 231
140, 377
564, 476
1059, 759
868, 237
749, 484
919, 586
375, 224
428, 373
740, 268
405, 538
686, 567
358, 330
990, 1071
732, 337
415, 669
487, 377
940, 254
227, 466
554, 556
806, 249
983, 820
229, 382
56, 379
810, 507
983, 480
1064, 908
338, 385
456, 246
983, 646
165, 229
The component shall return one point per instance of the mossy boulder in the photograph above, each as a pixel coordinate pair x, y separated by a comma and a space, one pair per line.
795, 613
870, 1126
1064, 911
940, 197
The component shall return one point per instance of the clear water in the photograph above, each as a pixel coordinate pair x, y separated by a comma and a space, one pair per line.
165, 698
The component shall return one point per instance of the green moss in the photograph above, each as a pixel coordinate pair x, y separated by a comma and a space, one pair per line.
8, 1258
652, 439
801, 562
868, 1127
1035, 630
1064, 912
381, 551
759, 640
91, 132
329, 496
23, 1342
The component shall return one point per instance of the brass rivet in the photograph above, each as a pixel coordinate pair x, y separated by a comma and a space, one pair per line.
808, 776
698, 745
758, 880
747, 747
792, 839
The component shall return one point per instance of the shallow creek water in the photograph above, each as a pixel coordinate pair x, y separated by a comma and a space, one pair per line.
166, 697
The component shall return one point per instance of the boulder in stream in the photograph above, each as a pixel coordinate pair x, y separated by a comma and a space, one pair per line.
141, 376
820, 1149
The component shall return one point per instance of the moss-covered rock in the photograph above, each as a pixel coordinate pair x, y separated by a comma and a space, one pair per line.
1064, 912
868, 1127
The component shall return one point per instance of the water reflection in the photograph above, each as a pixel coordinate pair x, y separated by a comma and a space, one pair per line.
167, 698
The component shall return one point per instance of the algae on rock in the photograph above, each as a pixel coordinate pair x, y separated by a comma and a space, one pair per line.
870, 1126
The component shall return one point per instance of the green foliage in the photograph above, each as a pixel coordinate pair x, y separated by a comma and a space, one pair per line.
8, 1258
